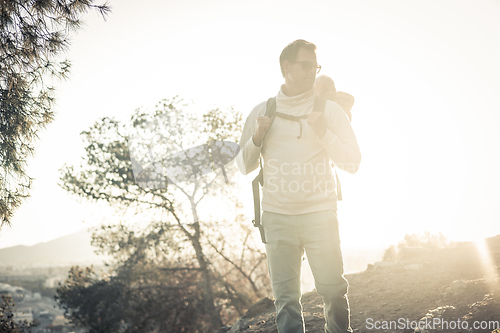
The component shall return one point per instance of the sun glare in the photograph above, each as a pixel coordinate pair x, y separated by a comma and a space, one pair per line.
487, 263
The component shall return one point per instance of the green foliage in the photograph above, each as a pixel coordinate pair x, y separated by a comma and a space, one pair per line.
106, 173
154, 285
140, 296
425, 241
7, 322
33, 34
95, 302
219, 129
390, 254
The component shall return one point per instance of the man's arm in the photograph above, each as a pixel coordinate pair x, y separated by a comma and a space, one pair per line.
251, 140
335, 134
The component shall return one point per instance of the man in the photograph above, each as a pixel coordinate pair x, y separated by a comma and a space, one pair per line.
299, 199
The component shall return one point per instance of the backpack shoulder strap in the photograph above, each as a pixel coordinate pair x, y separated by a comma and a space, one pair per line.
270, 107
270, 112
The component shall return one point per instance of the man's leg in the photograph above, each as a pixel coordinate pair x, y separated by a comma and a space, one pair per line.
284, 258
322, 244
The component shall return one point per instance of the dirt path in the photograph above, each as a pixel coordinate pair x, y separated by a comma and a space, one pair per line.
451, 287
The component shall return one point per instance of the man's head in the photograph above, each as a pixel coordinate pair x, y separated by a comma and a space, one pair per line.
299, 66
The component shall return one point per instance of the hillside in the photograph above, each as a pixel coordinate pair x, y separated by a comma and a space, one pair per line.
72, 249
453, 285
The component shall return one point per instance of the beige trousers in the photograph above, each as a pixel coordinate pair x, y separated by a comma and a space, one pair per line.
288, 236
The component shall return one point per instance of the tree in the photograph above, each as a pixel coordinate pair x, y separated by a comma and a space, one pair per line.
139, 296
33, 34
170, 163
7, 322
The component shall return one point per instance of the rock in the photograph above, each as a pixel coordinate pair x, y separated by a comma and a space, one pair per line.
263, 306
240, 325
457, 287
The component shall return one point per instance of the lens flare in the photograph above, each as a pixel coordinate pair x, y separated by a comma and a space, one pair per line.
487, 263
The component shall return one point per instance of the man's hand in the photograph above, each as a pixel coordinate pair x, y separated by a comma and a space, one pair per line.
318, 122
264, 124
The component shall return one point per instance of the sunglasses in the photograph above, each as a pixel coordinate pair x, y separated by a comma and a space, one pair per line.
307, 66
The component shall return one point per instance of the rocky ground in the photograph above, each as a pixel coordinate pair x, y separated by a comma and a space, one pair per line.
456, 288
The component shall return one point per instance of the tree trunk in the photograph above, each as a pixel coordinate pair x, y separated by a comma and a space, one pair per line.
207, 287
205, 272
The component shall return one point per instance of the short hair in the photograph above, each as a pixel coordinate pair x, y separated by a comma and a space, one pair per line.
291, 50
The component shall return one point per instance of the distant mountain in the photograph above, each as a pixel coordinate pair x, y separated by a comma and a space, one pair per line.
67, 250
76, 249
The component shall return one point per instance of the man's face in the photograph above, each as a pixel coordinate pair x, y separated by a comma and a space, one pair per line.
301, 73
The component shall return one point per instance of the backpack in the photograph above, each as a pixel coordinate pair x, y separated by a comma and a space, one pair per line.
319, 106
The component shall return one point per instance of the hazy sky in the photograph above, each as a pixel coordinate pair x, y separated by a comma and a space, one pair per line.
424, 74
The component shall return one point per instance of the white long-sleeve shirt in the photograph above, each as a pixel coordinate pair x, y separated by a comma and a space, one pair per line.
298, 178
